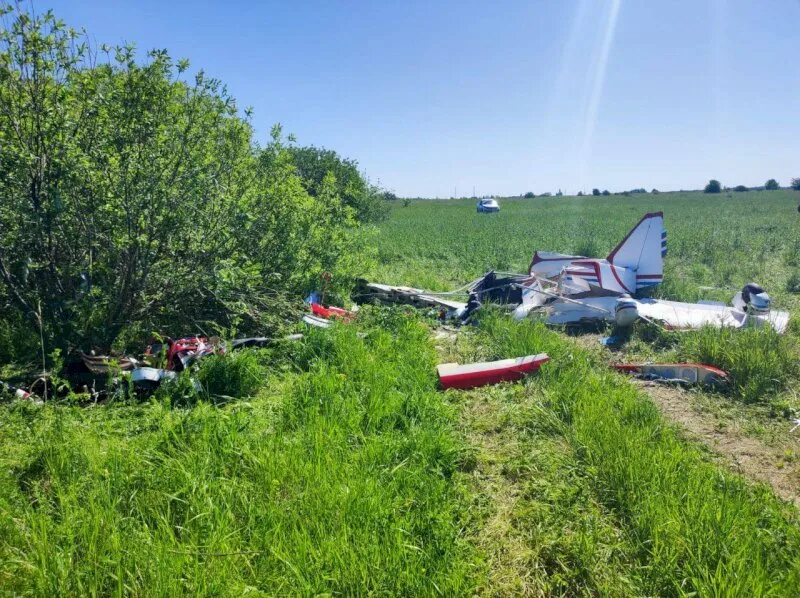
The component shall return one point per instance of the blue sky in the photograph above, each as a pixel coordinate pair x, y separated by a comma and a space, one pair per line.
506, 97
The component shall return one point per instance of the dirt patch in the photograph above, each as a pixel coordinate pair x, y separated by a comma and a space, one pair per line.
744, 454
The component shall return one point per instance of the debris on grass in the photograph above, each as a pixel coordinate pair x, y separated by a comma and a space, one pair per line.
681, 373
473, 375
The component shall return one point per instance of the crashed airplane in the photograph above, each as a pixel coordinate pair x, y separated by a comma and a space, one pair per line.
574, 289
577, 289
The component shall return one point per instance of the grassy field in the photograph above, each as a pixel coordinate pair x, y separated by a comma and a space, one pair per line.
719, 241
716, 244
335, 466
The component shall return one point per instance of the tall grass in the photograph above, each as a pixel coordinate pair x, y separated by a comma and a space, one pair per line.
760, 361
335, 480
698, 528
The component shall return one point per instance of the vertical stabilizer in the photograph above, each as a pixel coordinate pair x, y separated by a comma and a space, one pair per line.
643, 250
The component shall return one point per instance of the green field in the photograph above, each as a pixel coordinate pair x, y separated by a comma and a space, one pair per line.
720, 241
335, 466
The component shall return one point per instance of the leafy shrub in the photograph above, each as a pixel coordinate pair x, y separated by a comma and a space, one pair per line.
595, 192
158, 210
771, 185
740, 188
529, 195
795, 184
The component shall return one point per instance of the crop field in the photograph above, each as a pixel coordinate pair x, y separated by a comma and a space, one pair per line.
335, 466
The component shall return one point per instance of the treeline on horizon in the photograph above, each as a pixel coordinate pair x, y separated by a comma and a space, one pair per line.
135, 198
713, 186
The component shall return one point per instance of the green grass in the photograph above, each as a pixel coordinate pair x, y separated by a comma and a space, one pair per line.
696, 528
716, 241
716, 244
335, 466
337, 479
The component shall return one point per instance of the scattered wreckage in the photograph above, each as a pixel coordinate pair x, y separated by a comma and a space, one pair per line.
163, 361
577, 290
566, 289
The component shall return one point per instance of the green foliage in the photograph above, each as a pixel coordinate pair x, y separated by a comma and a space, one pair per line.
771, 185
795, 184
698, 529
315, 164
713, 186
135, 199
529, 195
596, 192
793, 283
759, 361
606, 192
341, 480
236, 374
740, 188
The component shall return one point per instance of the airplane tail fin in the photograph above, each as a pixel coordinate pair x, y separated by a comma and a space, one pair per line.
643, 250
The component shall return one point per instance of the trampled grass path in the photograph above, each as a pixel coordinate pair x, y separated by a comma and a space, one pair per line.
743, 454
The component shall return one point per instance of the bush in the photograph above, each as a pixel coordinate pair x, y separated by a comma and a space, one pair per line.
655, 191
713, 186
740, 188
606, 192
595, 192
771, 185
795, 184
529, 195
158, 210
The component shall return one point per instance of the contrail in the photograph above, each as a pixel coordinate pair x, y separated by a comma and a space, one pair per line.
597, 89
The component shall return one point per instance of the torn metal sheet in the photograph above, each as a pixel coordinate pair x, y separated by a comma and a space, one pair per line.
103, 364
384, 293
316, 321
688, 373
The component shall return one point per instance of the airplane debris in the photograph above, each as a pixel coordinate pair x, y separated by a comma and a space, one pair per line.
384, 293
103, 364
453, 375
316, 321
686, 373
331, 312
18, 393
148, 379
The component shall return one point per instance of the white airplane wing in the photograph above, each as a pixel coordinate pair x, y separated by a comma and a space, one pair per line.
685, 316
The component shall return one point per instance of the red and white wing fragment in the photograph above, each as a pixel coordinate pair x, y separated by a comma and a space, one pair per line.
692, 373
472, 375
